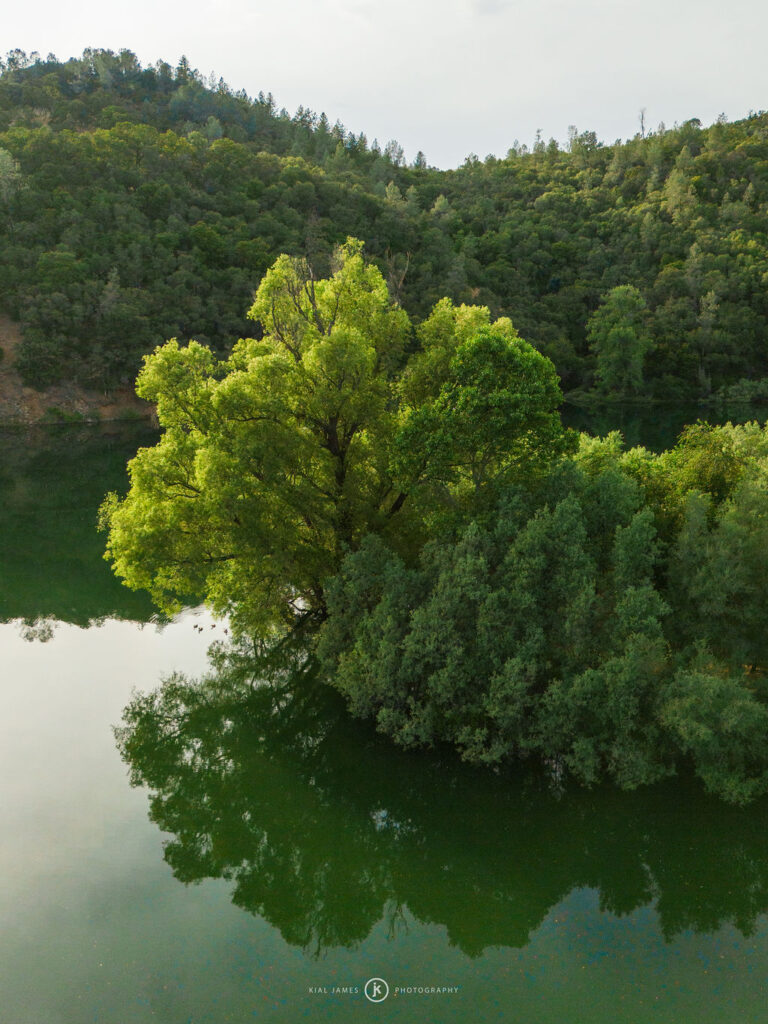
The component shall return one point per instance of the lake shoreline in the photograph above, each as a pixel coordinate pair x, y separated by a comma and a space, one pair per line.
66, 402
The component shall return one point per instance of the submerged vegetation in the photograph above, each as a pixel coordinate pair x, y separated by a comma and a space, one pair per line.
482, 576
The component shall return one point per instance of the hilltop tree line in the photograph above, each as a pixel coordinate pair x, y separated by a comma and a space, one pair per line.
143, 203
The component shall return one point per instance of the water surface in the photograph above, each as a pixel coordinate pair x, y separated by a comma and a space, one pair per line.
274, 846
655, 427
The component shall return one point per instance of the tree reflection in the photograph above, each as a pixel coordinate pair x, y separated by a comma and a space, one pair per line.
323, 828
52, 481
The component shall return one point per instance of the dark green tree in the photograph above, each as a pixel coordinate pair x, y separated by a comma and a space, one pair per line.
619, 339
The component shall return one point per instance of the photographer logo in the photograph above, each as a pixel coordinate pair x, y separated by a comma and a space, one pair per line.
376, 990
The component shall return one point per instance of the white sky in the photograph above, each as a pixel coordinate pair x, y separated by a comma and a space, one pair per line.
449, 77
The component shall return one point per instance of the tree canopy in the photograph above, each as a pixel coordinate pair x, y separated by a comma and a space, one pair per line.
276, 461
142, 203
384, 451
484, 577
610, 619
619, 338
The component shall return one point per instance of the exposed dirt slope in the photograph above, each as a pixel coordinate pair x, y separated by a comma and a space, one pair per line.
20, 404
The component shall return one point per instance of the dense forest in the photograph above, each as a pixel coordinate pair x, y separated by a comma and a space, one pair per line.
480, 575
143, 203
364, 434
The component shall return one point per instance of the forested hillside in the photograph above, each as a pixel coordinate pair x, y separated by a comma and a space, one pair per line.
137, 204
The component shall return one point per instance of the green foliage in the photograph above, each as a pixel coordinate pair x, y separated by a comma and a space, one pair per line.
141, 203
618, 337
276, 461
610, 618
721, 585
497, 585
56, 415
493, 417
723, 725
743, 394
11, 180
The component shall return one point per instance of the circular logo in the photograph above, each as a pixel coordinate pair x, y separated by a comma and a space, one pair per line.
376, 990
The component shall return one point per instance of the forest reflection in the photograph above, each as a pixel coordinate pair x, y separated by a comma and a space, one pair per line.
52, 481
323, 829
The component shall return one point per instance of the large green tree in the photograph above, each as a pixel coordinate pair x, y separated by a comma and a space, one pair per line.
277, 460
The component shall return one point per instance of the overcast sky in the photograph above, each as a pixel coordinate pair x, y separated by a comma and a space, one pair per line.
449, 77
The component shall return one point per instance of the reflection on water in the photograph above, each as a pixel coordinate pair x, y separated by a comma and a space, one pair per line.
587, 907
52, 481
654, 427
323, 829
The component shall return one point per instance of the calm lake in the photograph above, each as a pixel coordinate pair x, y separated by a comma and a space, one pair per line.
275, 853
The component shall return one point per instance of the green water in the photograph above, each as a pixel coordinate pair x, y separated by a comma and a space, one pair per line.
273, 846
52, 482
654, 427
